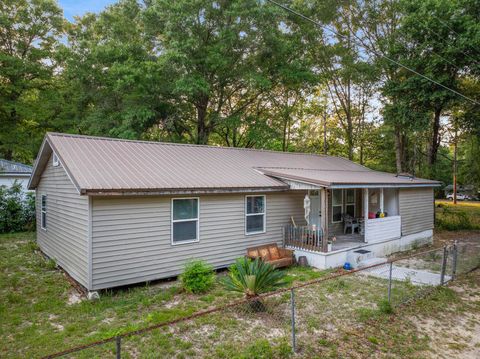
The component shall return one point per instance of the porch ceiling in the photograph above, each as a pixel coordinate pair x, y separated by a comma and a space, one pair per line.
363, 178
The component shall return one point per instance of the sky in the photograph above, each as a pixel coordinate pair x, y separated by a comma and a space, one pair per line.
73, 8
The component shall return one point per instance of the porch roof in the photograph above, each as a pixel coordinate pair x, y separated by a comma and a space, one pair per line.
358, 178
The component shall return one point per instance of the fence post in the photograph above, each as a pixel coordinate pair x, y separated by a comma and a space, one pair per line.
454, 260
292, 302
118, 341
390, 282
444, 265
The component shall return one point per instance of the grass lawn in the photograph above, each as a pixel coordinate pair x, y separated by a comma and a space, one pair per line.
463, 215
346, 317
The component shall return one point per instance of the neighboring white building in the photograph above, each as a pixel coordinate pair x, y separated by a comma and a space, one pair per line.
13, 171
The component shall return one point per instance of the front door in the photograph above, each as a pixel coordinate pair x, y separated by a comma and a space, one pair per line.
314, 216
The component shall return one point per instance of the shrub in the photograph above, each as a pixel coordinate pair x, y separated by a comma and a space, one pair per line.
253, 277
17, 209
453, 220
197, 277
385, 307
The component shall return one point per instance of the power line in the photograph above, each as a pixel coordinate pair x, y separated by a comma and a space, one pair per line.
286, 8
456, 33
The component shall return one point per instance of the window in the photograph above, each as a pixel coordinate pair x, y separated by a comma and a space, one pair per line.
337, 205
43, 212
185, 220
350, 202
254, 214
55, 160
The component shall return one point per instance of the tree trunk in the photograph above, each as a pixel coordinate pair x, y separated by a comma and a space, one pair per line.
435, 139
399, 149
203, 130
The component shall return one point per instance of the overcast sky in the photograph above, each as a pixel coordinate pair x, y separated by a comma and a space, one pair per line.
73, 8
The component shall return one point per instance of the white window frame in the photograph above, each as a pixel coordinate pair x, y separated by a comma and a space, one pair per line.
43, 211
172, 221
55, 160
354, 204
264, 213
338, 205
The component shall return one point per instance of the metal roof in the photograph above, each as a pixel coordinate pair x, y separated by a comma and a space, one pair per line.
14, 168
109, 166
342, 178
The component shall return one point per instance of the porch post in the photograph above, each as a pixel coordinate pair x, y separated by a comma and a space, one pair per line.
365, 213
381, 200
324, 210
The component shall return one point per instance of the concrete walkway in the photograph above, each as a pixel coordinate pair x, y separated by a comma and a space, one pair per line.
415, 276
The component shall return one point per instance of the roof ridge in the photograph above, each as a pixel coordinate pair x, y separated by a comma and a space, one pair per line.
195, 145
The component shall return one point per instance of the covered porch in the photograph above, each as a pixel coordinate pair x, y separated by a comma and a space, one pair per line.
341, 218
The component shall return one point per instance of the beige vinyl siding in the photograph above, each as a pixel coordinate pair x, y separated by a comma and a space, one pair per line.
66, 236
416, 210
132, 236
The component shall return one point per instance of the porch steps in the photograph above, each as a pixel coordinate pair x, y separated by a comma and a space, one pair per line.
355, 257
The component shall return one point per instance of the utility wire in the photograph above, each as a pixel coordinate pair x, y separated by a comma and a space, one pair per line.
286, 8
433, 53
456, 33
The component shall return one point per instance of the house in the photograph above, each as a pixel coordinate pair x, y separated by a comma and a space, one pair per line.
13, 171
114, 212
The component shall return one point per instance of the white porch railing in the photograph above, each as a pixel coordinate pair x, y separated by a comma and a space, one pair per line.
380, 229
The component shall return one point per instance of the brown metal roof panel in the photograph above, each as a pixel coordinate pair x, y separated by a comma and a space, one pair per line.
335, 177
112, 164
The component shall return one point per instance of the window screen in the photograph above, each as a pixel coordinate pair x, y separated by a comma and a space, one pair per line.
254, 214
184, 220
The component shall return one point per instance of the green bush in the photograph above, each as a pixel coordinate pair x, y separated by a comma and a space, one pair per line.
197, 277
17, 209
450, 220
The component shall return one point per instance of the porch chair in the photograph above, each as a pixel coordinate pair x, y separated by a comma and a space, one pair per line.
349, 222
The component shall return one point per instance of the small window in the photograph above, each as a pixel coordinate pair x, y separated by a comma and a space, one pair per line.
350, 202
337, 205
185, 220
43, 212
254, 214
55, 160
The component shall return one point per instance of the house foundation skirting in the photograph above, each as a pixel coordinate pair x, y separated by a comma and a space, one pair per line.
338, 258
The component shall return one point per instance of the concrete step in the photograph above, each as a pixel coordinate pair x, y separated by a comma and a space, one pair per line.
371, 261
355, 257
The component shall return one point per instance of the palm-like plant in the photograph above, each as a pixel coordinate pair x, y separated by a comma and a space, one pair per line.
253, 278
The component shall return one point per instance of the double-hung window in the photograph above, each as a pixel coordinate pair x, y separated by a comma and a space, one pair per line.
43, 212
350, 202
255, 214
185, 220
337, 205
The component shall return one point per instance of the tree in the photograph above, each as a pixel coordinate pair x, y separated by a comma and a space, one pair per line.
29, 34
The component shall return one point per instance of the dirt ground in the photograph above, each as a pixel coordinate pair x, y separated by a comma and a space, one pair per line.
446, 237
455, 332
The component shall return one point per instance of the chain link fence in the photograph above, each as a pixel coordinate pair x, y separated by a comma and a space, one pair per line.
306, 319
